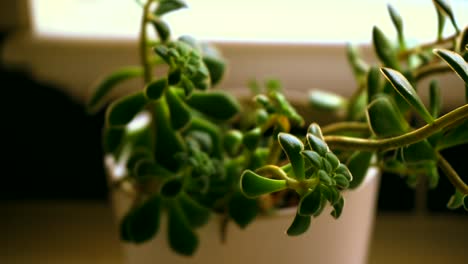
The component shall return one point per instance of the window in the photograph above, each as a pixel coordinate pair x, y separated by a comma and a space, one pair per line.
331, 21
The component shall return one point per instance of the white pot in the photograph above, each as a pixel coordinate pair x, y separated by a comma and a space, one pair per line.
342, 241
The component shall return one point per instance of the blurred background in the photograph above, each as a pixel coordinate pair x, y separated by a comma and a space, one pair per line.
51, 51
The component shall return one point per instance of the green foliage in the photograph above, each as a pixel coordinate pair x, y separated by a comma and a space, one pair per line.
189, 152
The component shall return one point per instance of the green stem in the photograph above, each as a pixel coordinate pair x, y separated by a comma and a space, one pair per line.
405, 54
430, 70
144, 58
451, 174
345, 127
341, 142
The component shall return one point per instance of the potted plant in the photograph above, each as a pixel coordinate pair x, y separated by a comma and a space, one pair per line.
179, 152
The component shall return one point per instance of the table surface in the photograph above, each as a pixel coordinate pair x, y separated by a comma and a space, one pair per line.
51, 232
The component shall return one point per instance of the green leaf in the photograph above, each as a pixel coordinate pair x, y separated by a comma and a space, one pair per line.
106, 85
197, 215
326, 101
374, 83
122, 111
454, 137
455, 61
384, 49
168, 141
385, 119
440, 23
310, 203
358, 164
398, 23
112, 139
325, 178
358, 66
435, 102
343, 170
338, 208
155, 89
166, 6
293, 147
242, 210
217, 105
341, 181
179, 112
465, 202
317, 144
333, 159
314, 158
299, 225
445, 8
456, 200
162, 29
171, 188
182, 239
203, 125
251, 139
330, 193
419, 152
149, 169
315, 130
142, 222
232, 142
406, 90
286, 108
253, 185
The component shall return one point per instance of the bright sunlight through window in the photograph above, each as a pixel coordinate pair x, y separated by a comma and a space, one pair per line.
303, 21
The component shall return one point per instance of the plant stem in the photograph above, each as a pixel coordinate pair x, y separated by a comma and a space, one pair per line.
345, 127
341, 142
452, 175
144, 58
431, 69
408, 52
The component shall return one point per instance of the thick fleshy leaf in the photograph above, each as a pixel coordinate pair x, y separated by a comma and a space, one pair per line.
179, 112
397, 22
454, 137
418, 152
142, 222
232, 141
456, 200
314, 158
406, 90
168, 141
343, 170
341, 181
286, 108
440, 23
217, 105
122, 111
182, 239
315, 130
112, 139
155, 89
203, 125
325, 177
455, 61
435, 102
166, 6
293, 147
358, 66
299, 225
310, 203
465, 202
171, 188
385, 119
384, 49
254, 185
330, 193
338, 208
374, 83
242, 210
106, 85
251, 138
358, 164
162, 29
326, 101
445, 8
146, 168
197, 214
216, 66
333, 159
317, 144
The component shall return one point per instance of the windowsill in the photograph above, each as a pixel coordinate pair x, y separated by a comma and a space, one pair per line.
85, 232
